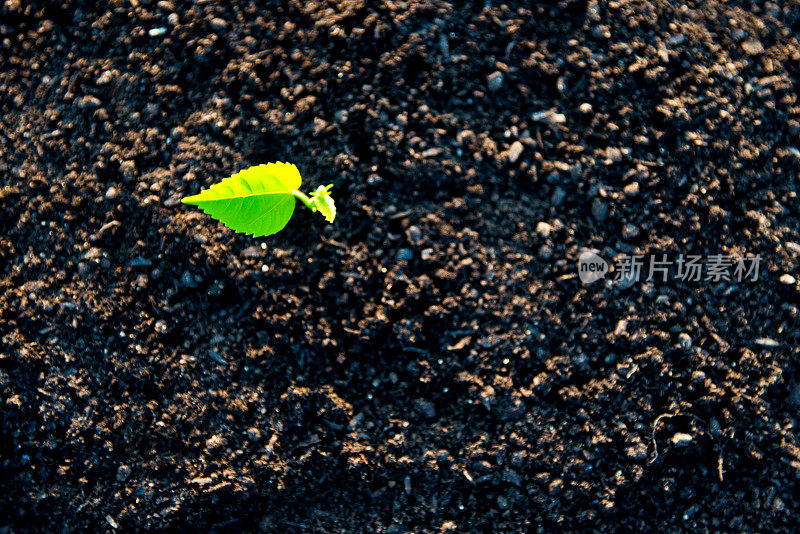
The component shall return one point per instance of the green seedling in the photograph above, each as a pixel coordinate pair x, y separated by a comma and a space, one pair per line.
260, 200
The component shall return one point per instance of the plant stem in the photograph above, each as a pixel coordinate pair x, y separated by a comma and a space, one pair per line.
304, 199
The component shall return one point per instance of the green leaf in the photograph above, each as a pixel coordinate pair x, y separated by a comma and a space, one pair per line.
257, 201
323, 201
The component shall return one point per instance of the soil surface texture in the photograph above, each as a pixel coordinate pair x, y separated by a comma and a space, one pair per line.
432, 361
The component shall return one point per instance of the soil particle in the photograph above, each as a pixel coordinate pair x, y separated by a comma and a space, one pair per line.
495, 81
680, 439
123, 472
637, 452
599, 210
514, 151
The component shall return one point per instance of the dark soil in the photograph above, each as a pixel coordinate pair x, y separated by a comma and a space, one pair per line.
430, 362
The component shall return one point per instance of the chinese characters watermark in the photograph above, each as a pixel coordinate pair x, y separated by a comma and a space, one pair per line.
631, 268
